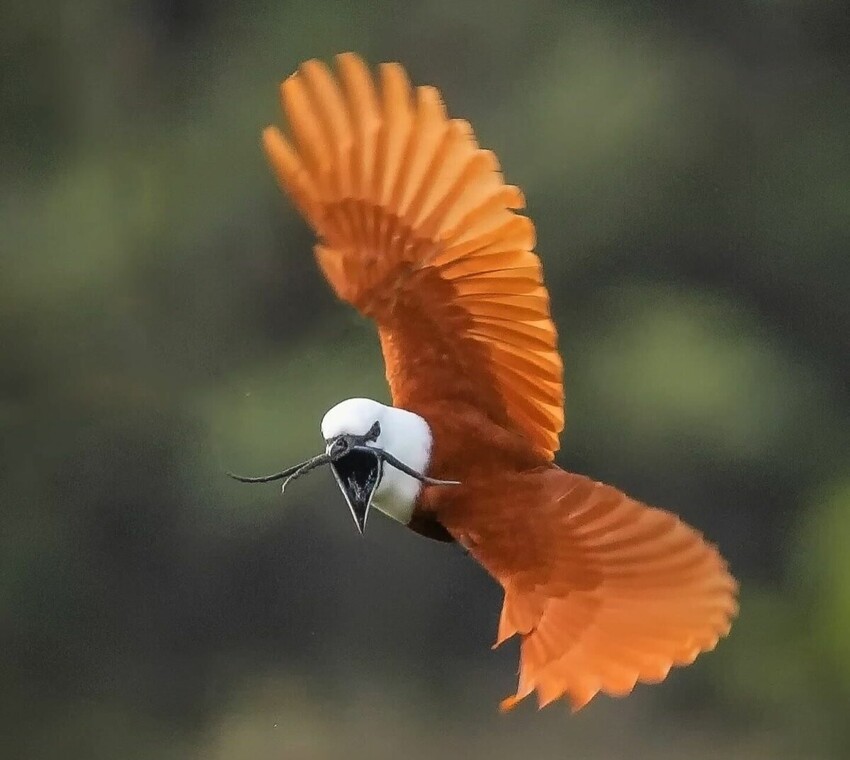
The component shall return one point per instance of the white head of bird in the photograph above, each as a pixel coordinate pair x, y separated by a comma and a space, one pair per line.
362, 476
378, 454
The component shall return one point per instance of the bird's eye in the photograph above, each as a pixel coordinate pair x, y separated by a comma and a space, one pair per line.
374, 432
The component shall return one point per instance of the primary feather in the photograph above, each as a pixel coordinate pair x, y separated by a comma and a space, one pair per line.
604, 591
418, 230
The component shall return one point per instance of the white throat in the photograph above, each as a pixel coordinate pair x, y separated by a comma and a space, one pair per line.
403, 434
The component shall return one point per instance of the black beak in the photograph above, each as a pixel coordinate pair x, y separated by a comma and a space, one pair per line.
358, 474
358, 469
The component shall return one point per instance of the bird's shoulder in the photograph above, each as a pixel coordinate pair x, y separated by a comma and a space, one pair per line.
467, 443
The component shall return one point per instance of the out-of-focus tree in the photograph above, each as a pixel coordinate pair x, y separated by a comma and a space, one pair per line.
161, 320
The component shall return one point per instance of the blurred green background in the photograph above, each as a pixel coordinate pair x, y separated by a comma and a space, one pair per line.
162, 320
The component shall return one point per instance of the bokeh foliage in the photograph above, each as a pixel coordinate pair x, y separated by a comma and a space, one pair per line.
161, 320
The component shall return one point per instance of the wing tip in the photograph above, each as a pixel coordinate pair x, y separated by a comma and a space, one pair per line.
350, 58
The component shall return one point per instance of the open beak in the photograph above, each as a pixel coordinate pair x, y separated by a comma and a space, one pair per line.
358, 470
358, 475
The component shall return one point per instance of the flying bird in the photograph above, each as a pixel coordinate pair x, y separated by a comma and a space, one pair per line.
418, 231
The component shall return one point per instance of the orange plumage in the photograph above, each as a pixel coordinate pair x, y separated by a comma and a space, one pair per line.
418, 231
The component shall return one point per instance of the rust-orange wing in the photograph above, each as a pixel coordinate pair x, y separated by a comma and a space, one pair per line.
418, 231
603, 590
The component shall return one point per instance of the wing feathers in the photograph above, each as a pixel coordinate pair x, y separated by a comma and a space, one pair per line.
361, 101
428, 129
394, 131
537, 335
515, 236
604, 591
393, 186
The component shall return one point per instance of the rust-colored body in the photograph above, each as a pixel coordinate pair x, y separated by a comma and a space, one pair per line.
605, 591
419, 232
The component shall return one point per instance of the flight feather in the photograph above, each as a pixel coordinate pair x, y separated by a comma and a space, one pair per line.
604, 591
418, 230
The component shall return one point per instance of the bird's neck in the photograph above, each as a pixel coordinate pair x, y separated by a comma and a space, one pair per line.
408, 437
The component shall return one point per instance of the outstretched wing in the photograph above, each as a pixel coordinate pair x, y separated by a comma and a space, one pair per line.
603, 590
418, 231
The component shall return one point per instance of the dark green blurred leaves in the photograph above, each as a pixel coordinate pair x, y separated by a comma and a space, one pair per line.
161, 321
